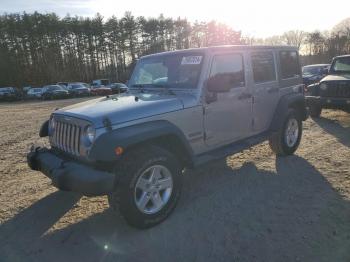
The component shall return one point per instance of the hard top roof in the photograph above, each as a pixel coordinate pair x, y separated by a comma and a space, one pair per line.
225, 48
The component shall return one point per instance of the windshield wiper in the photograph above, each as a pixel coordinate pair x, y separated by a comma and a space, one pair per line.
164, 86
142, 86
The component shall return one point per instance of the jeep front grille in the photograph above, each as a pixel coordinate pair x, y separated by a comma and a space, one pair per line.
337, 89
66, 137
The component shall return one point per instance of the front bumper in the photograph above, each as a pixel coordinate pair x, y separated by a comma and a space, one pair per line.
327, 101
70, 175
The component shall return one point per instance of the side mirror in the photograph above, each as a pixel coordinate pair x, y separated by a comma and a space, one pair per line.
220, 83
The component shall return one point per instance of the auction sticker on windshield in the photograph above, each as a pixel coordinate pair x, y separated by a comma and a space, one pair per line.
191, 60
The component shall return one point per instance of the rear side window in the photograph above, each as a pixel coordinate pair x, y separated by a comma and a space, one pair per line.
229, 65
289, 64
263, 66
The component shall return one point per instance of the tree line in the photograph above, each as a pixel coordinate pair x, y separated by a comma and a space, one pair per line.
37, 49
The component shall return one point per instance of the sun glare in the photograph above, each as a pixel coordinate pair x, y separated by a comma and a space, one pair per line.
252, 17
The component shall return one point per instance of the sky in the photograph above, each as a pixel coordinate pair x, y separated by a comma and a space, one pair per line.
253, 17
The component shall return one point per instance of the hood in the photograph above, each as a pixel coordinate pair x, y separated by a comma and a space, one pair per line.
123, 108
345, 77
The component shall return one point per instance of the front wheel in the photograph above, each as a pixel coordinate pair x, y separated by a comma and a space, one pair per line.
287, 139
149, 186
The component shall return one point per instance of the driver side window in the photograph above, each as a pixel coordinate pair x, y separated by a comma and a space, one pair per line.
228, 66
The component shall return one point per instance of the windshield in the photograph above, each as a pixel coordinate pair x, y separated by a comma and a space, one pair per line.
313, 70
341, 65
35, 90
54, 88
103, 82
75, 86
171, 70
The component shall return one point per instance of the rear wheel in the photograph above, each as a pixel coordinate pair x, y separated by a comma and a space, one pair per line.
149, 186
287, 139
315, 111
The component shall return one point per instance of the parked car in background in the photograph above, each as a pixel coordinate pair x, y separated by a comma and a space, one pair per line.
118, 88
314, 73
100, 91
10, 94
54, 92
86, 85
25, 89
34, 92
63, 84
78, 89
332, 91
100, 82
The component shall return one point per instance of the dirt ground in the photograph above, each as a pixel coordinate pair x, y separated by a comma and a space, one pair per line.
250, 207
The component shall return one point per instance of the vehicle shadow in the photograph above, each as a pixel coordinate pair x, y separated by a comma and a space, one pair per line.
20, 235
290, 213
334, 128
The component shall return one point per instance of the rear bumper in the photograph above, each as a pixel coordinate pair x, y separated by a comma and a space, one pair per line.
327, 101
69, 175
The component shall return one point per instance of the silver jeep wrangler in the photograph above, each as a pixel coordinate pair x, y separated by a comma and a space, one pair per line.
182, 109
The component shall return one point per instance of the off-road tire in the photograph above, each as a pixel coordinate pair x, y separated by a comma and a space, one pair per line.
127, 172
315, 111
277, 140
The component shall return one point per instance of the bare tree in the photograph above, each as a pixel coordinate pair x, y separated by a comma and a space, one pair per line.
294, 38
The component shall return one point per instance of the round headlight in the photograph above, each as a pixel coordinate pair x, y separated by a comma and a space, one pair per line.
323, 86
90, 134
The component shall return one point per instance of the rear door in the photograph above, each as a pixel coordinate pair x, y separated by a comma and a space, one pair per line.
265, 88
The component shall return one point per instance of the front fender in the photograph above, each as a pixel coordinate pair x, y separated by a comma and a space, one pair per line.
44, 129
103, 148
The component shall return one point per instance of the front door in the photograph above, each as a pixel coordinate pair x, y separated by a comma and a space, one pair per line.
228, 117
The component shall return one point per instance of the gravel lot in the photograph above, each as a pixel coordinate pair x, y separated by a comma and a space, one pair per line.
249, 207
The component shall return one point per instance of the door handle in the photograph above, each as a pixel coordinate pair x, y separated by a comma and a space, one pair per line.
244, 96
272, 90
